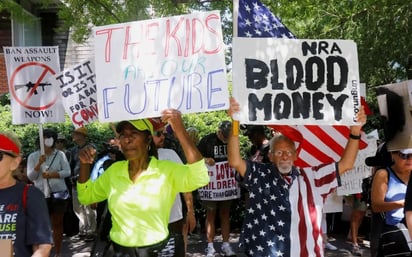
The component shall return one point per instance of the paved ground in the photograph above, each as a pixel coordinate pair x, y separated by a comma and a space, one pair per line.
73, 246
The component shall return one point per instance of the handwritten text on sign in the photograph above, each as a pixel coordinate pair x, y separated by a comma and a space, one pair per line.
296, 82
222, 185
147, 66
78, 92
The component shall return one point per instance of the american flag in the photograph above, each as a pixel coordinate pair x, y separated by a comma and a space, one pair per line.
292, 227
316, 144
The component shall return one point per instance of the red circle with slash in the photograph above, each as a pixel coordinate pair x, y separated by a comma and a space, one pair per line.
24, 102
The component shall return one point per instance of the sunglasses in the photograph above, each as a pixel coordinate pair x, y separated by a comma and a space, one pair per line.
158, 133
5, 153
405, 156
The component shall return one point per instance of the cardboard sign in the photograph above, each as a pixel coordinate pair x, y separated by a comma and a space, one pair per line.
144, 67
6, 248
296, 82
352, 180
391, 98
33, 98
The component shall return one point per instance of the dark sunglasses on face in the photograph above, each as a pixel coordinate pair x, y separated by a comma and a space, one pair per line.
5, 153
405, 156
158, 133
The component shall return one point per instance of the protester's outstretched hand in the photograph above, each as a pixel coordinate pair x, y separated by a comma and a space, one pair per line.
87, 154
174, 118
361, 118
234, 107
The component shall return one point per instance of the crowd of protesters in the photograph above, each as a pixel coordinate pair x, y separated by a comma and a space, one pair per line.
137, 180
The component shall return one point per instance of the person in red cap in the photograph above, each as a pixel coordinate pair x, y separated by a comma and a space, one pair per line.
23, 208
141, 190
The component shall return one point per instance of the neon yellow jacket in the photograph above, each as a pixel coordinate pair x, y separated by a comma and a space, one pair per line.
140, 211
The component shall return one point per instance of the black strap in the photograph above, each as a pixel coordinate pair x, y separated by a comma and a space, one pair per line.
48, 183
54, 157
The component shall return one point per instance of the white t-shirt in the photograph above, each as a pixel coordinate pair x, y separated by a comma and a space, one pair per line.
176, 213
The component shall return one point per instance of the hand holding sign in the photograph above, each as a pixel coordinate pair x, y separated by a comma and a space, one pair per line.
233, 112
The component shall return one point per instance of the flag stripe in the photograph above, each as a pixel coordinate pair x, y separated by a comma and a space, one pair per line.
315, 145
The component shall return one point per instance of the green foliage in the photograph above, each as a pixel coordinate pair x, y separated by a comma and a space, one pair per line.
16, 10
29, 133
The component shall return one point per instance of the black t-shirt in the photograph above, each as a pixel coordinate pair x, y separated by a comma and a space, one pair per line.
210, 146
261, 154
24, 226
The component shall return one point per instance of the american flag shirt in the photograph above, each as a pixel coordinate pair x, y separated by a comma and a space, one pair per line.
284, 219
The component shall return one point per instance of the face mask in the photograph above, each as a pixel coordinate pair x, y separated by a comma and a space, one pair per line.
48, 142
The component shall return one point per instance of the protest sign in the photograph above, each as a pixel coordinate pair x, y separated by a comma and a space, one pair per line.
222, 185
144, 67
351, 181
33, 98
333, 203
77, 88
6, 246
296, 82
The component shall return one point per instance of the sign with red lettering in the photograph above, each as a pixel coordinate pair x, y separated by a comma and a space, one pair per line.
222, 185
144, 67
296, 82
77, 87
33, 98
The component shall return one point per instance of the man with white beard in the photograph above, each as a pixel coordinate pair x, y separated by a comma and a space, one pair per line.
284, 211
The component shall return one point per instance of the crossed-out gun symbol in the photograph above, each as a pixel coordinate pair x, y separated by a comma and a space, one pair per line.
30, 85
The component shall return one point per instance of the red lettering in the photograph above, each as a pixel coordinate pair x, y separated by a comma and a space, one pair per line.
218, 47
172, 34
107, 48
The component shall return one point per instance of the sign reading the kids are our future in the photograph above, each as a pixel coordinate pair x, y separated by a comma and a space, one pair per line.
296, 82
144, 67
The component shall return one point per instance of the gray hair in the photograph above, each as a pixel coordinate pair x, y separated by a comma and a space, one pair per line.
279, 138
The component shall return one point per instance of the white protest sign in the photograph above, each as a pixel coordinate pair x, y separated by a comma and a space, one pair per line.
351, 181
333, 203
296, 82
222, 185
144, 67
77, 87
33, 98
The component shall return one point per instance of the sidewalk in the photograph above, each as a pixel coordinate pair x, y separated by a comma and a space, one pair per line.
73, 246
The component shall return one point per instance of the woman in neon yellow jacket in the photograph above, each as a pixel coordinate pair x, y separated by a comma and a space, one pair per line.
141, 190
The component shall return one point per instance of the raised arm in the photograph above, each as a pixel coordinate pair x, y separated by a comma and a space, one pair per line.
233, 146
174, 118
86, 155
351, 150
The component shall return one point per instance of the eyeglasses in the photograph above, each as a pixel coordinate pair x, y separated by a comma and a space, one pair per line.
280, 153
5, 153
405, 156
158, 133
